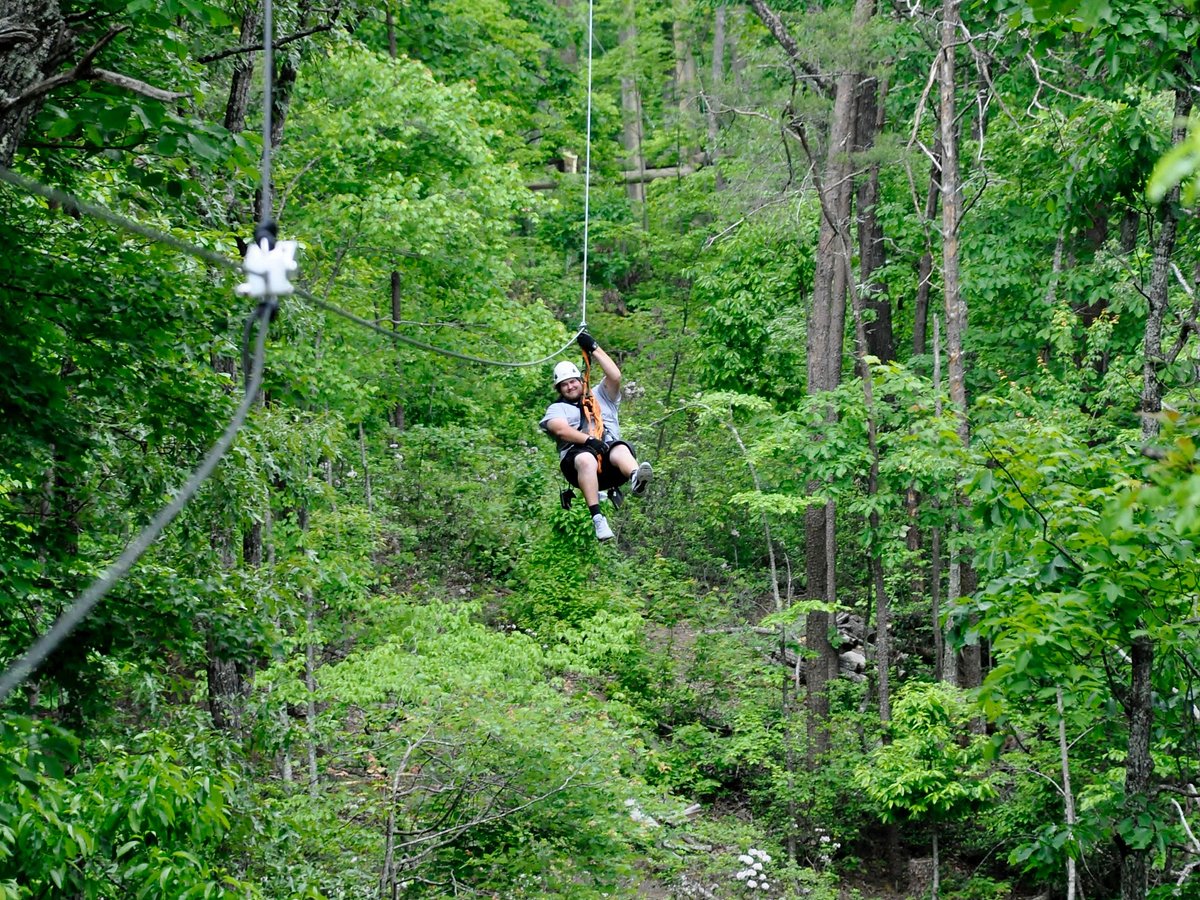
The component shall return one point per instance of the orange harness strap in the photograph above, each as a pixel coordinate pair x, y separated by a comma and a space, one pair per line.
589, 407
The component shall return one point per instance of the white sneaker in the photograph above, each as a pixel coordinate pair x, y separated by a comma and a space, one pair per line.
641, 478
603, 532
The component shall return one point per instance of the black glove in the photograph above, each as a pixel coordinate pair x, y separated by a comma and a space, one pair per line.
595, 445
586, 342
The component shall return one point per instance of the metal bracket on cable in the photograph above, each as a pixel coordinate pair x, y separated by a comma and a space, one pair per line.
268, 264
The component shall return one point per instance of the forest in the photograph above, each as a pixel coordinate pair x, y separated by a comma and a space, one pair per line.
906, 301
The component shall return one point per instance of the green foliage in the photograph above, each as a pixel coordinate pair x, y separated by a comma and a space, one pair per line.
532, 774
142, 820
926, 773
753, 331
482, 675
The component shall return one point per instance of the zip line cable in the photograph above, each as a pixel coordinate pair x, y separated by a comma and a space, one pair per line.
264, 208
67, 201
268, 305
78, 611
421, 345
587, 173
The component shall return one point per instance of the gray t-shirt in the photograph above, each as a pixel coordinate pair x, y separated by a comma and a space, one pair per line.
609, 407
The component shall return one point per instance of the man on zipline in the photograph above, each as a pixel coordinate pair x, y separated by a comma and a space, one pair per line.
592, 455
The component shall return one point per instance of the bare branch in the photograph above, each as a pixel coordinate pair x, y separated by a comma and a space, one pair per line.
85, 62
456, 829
1189, 326
135, 86
716, 237
780, 32
13, 31
84, 71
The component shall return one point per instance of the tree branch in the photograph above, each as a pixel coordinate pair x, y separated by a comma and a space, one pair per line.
254, 48
134, 85
780, 32
84, 71
1028, 502
13, 31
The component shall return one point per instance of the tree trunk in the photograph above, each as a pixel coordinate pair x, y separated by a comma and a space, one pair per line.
925, 265
366, 473
310, 669
826, 327
569, 55
956, 306
1160, 277
238, 102
631, 104
1129, 230
685, 63
281, 101
737, 61
1139, 766
227, 686
945, 666
718, 55
1068, 796
962, 574
874, 550
397, 417
32, 38
935, 885
816, 634
869, 117
390, 20
227, 689
717, 79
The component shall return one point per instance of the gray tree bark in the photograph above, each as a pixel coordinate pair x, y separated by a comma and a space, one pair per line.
228, 684
33, 41
925, 265
1139, 766
631, 104
869, 118
963, 573
1158, 297
238, 102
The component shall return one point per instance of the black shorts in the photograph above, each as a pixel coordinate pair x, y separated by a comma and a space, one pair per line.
610, 475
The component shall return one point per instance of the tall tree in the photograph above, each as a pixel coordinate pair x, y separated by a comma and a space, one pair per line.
631, 103
962, 570
826, 322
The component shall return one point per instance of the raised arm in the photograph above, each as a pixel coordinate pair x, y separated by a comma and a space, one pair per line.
611, 371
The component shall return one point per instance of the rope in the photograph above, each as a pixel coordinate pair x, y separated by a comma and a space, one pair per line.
84, 603
68, 201
589, 409
587, 173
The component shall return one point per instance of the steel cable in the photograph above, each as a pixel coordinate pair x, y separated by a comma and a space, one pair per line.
67, 201
85, 602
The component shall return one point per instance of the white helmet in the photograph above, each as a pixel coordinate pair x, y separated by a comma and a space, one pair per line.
565, 371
